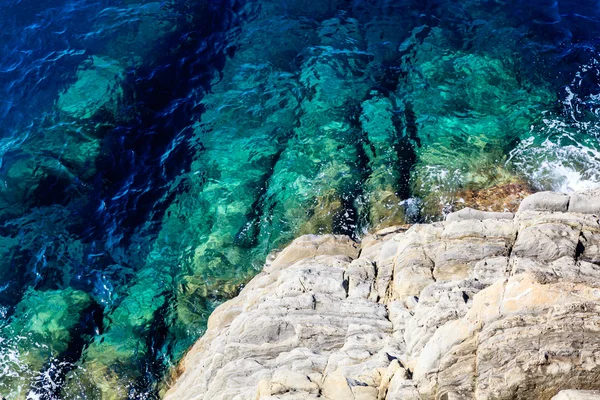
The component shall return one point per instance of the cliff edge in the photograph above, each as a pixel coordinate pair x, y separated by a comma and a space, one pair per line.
480, 306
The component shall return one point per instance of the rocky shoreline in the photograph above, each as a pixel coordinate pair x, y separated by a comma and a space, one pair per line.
483, 305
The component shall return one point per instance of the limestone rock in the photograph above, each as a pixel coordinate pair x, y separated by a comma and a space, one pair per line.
545, 201
483, 305
311, 246
470, 214
577, 395
585, 202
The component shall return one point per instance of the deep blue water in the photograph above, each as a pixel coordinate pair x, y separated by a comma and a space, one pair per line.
153, 153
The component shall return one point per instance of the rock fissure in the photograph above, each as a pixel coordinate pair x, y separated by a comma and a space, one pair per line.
580, 248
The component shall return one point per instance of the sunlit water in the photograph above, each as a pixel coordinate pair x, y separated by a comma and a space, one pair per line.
152, 154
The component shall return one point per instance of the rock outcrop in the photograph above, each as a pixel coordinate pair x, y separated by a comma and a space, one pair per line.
480, 306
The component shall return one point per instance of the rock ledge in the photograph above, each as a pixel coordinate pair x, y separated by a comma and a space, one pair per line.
481, 306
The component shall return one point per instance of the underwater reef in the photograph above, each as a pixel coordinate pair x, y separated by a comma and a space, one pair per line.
153, 154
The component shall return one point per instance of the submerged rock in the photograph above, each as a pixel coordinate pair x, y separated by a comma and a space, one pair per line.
503, 197
61, 158
482, 105
484, 305
327, 213
97, 87
382, 146
42, 328
318, 175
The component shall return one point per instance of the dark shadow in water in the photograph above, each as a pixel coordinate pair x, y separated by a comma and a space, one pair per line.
140, 160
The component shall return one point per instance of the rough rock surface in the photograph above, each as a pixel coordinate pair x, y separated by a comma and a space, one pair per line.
481, 306
577, 395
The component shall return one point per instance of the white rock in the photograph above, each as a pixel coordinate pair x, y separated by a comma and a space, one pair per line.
491, 307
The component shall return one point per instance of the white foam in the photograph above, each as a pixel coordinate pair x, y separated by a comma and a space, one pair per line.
558, 167
561, 153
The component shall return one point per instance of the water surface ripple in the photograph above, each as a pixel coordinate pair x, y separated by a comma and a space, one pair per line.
153, 153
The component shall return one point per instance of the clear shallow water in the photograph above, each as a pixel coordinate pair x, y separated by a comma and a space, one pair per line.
153, 154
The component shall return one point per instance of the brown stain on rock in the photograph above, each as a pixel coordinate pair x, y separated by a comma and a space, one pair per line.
504, 197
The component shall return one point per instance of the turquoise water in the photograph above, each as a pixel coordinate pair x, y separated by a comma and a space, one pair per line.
153, 154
